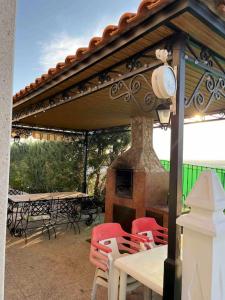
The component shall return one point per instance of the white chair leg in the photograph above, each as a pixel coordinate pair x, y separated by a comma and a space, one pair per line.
147, 293
123, 286
113, 284
94, 288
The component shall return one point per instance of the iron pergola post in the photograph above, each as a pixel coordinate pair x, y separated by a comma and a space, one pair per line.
84, 183
172, 265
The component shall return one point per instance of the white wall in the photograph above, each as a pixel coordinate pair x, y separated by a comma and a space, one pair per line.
7, 28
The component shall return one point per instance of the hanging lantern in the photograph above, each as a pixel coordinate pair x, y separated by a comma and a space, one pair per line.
163, 114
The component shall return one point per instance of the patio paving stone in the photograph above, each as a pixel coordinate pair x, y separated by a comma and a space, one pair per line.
58, 269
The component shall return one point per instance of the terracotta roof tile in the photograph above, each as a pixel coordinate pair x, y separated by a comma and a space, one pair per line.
80, 52
52, 71
125, 19
108, 32
70, 59
94, 42
60, 65
27, 88
111, 30
44, 77
38, 81
145, 6
32, 85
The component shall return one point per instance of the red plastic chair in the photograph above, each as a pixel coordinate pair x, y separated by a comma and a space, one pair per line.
108, 242
148, 227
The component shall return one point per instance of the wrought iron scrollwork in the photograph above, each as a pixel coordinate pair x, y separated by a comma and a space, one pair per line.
206, 57
51, 102
133, 63
67, 95
130, 92
82, 87
104, 77
209, 88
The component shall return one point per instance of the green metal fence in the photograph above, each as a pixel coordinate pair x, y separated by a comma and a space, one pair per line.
191, 173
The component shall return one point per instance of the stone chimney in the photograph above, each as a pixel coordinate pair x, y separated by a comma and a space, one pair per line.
141, 156
149, 179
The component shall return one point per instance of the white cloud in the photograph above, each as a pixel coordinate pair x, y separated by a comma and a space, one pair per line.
62, 44
58, 48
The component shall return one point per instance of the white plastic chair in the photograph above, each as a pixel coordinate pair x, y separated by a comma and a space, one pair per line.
108, 243
148, 227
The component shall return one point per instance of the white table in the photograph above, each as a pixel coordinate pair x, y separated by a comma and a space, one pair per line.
147, 267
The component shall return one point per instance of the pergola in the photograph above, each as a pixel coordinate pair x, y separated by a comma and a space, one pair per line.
109, 82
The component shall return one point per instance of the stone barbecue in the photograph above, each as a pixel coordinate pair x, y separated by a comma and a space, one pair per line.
137, 184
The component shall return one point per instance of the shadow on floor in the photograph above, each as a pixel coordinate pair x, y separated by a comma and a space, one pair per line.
56, 269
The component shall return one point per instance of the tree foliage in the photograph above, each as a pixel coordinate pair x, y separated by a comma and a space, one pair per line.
103, 149
58, 166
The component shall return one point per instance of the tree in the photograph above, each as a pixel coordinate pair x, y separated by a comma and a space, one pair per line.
49, 166
103, 149
46, 166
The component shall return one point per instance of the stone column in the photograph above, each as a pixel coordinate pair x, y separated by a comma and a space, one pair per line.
203, 275
7, 26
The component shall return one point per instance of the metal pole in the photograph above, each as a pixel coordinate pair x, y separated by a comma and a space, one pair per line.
172, 265
84, 183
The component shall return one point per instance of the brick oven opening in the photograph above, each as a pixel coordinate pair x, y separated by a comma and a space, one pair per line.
124, 183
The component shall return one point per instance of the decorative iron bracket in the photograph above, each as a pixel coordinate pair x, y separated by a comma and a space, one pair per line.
211, 84
129, 92
215, 87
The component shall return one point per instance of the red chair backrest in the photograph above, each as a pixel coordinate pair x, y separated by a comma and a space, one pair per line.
144, 224
107, 231
111, 236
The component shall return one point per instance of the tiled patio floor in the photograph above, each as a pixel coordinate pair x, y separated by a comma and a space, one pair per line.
57, 269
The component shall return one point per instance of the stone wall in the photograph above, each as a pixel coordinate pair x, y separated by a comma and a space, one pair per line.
7, 28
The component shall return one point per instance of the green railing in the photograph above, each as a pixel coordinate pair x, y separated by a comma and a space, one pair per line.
191, 173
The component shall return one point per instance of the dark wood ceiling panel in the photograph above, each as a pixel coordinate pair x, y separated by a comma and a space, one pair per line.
199, 31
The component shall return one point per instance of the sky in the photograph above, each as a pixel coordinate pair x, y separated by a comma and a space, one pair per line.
203, 141
49, 30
